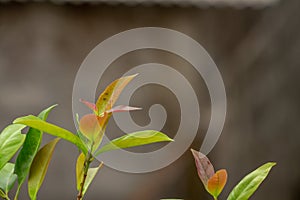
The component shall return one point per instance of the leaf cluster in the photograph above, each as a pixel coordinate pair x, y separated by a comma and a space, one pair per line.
32, 160
215, 182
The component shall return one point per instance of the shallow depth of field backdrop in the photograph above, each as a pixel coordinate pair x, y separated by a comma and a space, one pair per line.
257, 51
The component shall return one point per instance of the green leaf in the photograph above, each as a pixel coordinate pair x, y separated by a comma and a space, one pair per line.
80, 172
135, 139
29, 150
8, 178
52, 129
90, 177
11, 140
2, 194
249, 184
39, 168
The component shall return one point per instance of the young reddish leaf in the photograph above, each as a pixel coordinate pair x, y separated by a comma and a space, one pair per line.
217, 182
93, 127
89, 126
110, 95
204, 167
122, 108
90, 105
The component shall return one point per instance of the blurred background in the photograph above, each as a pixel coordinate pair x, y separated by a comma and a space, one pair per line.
255, 44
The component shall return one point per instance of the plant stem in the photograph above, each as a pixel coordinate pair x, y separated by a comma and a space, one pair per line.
4, 195
17, 194
86, 166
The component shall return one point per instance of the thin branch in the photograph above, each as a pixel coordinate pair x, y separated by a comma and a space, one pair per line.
86, 166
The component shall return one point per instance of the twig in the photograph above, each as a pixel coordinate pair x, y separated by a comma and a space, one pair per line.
86, 166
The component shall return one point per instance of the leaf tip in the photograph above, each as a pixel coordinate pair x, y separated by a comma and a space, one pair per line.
90, 105
134, 75
17, 121
272, 163
197, 154
54, 105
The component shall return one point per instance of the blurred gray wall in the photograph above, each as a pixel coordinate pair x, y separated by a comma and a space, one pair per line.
257, 51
